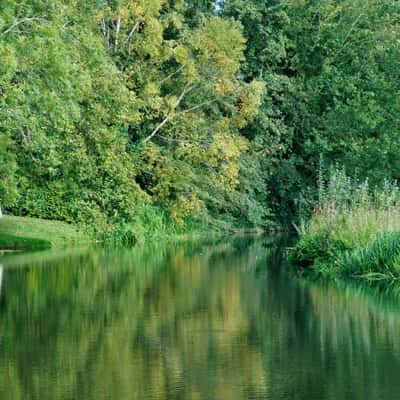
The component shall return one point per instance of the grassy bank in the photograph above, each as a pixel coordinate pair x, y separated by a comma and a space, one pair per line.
354, 232
23, 233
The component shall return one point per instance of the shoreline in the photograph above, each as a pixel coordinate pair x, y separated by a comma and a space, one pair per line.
21, 234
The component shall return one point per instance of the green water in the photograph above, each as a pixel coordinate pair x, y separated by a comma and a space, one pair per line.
196, 321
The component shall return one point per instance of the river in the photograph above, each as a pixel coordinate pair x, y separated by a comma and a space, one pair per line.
222, 319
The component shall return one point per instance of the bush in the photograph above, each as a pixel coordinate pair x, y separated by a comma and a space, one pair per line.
320, 249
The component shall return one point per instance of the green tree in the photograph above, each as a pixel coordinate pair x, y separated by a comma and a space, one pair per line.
332, 89
62, 101
190, 102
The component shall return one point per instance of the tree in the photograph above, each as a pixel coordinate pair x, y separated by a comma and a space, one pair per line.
62, 102
191, 101
331, 89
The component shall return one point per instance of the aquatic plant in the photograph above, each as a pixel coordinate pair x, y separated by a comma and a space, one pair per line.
354, 230
378, 260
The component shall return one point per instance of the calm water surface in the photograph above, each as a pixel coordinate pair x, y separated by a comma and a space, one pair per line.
221, 320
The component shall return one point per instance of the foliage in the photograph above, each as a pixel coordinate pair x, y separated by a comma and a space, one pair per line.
206, 111
378, 261
62, 103
332, 90
7, 170
318, 251
111, 106
353, 231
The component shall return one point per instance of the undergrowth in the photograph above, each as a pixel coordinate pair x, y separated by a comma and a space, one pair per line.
354, 230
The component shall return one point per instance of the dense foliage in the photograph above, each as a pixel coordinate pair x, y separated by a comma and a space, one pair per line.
129, 111
354, 231
332, 74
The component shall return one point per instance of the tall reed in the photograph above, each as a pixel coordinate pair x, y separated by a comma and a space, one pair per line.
352, 228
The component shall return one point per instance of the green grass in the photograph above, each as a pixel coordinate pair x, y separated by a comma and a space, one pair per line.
378, 261
22, 233
354, 232
8, 242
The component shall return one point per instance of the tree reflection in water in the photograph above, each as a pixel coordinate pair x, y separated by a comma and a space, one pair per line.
218, 320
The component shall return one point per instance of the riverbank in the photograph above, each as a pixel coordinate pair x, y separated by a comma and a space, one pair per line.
24, 233
330, 256
354, 233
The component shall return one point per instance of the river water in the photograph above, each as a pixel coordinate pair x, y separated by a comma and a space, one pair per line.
218, 320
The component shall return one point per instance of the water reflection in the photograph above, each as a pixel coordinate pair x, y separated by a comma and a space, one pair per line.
211, 321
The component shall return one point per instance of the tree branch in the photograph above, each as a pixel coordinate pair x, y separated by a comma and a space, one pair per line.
352, 28
21, 21
154, 133
133, 30
173, 74
103, 26
26, 136
196, 107
117, 29
345, 40
188, 89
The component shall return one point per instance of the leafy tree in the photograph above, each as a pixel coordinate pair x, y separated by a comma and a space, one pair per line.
331, 89
203, 110
7, 170
110, 105
61, 105
190, 102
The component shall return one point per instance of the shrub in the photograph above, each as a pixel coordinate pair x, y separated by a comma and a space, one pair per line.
318, 249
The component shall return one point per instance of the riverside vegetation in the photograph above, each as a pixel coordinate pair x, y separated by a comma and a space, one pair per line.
135, 118
353, 232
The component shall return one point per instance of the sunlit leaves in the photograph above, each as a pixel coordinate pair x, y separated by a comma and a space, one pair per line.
110, 104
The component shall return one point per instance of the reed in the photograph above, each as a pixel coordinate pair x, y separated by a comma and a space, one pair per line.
353, 231
379, 260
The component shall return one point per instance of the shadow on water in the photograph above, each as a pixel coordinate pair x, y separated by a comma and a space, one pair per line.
217, 320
